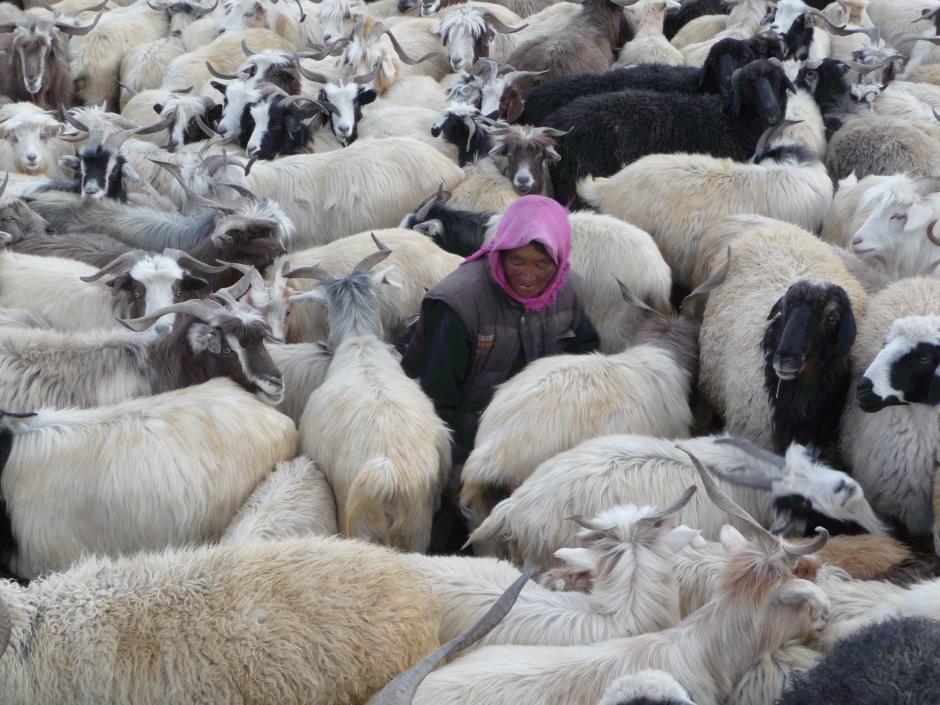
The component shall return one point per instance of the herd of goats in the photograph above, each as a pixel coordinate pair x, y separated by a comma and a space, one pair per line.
218, 483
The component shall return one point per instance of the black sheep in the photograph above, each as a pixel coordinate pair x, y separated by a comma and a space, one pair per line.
724, 58
807, 367
608, 131
894, 662
690, 10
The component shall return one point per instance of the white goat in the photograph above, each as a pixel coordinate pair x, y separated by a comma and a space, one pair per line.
29, 144
649, 46
369, 426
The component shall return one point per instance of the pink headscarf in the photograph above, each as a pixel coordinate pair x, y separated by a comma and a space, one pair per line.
531, 219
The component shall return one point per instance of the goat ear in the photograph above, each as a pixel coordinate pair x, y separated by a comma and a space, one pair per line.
315, 294
70, 163
514, 106
933, 391
157, 108
128, 171
580, 558
775, 309
191, 283
219, 86
381, 277
731, 539
367, 97
847, 332
682, 536
918, 216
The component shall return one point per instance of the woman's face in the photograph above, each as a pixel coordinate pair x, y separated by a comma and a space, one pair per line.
529, 270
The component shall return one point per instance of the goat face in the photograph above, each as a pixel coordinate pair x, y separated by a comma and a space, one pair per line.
153, 283
346, 100
466, 36
336, 19
32, 50
799, 37
239, 96
430, 7
180, 113
525, 150
810, 325
21, 222
907, 369
245, 14
101, 173
28, 138
760, 89
825, 80
279, 129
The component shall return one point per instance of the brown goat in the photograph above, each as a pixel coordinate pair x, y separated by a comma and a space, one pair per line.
525, 150
587, 45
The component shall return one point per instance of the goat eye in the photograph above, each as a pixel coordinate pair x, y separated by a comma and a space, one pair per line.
136, 294
925, 360
226, 351
14, 139
899, 216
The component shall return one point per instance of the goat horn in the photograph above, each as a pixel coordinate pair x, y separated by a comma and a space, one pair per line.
494, 22
175, 171
213, 163
822, 537
182, 91
201, 309
191, 262
932, 38
841, 31
724, 502
73, 122
155, 8
689, 307
196, 9
928, 14
251, 279
6, 627
367, 263
246, 50
754, 450
207, 131
303, 15
219, 74
930, 234
130, 91
119, 263
239, 189
369, 77
589, 524
116, 140
325, 51
771, 131
425, 207
398, 50
633, 299
3, 186
312, 272
161, 124
313, 75
672, 508
757, 482
78, 31
12, 26
402, 689
251, 163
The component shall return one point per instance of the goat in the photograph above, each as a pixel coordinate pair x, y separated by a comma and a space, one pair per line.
388, 475
280, 126
37, 68
587, 45
650, 687
785, 181
27, 130
743, 21
644, 389
463, 126
873, 144
678, 17
467, 33
759, 600
650, 46
847, 215
461, 232
145, 460
794, 493
345, 590
629, 545
294, 501
898, 237
598, 142
783, 322
186, 119
528, 151
896, 387
343, 101
279, 20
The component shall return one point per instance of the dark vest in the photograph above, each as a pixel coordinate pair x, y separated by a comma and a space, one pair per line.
500, 327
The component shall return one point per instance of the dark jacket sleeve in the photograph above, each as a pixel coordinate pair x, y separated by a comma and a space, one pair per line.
447, 362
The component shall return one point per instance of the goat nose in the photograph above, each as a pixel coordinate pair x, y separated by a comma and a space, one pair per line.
857, 241
32, 157
865, 385
90, 189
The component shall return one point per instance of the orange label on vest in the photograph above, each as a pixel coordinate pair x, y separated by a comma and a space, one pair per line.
485, 342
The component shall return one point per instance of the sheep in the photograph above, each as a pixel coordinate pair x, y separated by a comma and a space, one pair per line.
95, 58
292, 502
759, 601
896, 388
28, 132
785, 181
743, 21
794, 494
387, 476
419, 265
108, 368
883, 145
483, 188
898, 235
650, 46
598, 142
37, 67
644, 389
586, 45
290, 612
634, 591
139, 475
782, 274
724, 58
677, 18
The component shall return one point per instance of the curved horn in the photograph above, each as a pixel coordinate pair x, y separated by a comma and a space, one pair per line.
424, 208
841, 31
193, 263
312, 272
757, 482
724, 502
754, 450
155, 8
219, 74
672, 508
633, 299
181, 91
239, 189
494, 22
206, 130
3, 186
161, 124
589, 524
251, 279
930, 234
246, 50
402, 689
312, 75
369, 77
624, 3
74, 122
78, 31
367, 263
12, 26
130, 91
118, 264
200, 11
200, 309
116, 140
325, 51
6, 627
398, 50
251, 163
822, 537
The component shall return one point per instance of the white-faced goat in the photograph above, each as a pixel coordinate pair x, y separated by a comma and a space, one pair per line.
759, 603
371, 428
793, 493
29, 133
633, 591
342, 100
467, 32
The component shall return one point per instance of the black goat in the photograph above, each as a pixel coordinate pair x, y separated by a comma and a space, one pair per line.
724, 58
690, 10
893, 662
281, 126
826, 81
457, 231
608, 131
99, 168
807, 368
463, 126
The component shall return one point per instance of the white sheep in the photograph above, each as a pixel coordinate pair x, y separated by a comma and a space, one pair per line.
649, 46
484, 188
140, 475
370, 427
896, 469
292, 502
